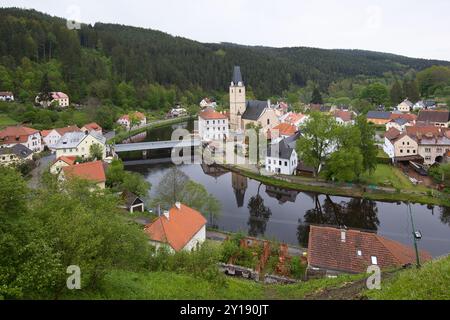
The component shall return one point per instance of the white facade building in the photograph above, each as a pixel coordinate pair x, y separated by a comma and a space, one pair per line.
282, 157
6, 96
78, 144
213, 125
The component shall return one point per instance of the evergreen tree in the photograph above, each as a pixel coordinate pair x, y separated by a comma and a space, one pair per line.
316, 96
396, 93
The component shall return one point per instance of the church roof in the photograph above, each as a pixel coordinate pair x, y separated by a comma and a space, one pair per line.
254, 110
237, 76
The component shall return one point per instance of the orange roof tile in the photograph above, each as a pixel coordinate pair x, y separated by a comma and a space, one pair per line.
183, 224
286, 129
91, 171
293, 118
346, 116
16, 134
93, 126
326, 250
70, 160
210, 114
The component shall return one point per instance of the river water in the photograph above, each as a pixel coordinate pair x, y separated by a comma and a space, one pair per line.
284, 215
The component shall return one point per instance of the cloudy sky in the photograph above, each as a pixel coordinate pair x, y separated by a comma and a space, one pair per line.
415, 28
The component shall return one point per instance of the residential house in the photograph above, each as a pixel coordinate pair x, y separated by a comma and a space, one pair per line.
334, 251
132, 203
59, 98
62, 162
180, 228
243, 112
411, 118
213, 125
91, 171
126, 120
177, 112
406, 106
295, 119
424, 104
433, 142
90, 127
28, 137
78, 144
379, 117
52, 137
6, 96
208, 103
15, 155
344, 117
283, 130
282, 157
400, 124
438, 118
399, 146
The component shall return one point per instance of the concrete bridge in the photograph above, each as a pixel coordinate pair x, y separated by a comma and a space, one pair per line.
156, 145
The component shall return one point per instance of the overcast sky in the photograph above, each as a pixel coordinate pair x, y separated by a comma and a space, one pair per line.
415, 28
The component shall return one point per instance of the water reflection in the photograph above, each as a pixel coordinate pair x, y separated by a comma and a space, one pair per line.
355, 213
240, 185
282, 195
259, 215
445, 215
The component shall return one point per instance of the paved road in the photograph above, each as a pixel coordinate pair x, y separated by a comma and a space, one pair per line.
36, 174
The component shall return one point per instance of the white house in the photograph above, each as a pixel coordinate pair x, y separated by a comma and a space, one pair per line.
6, 96
126, 120
344, 117
15, 155
282, 157
400, 146
78, 144
180, 228
176, 112
28, 137
52, 137
208, 103
400, 124
405, 106
61, 99
213, 125
60, 163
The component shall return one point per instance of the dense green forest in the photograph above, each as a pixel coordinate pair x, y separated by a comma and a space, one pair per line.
125, 66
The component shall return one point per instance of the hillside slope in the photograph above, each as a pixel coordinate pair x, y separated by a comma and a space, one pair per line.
114, 53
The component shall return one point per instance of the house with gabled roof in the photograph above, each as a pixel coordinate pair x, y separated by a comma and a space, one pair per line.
438, 118
400, 147
61, 162
334, 250
179, 229
126, 120
6, 96
378, 117
52, 137
93, 172
213, 125
405, 106
88, 128
282, 158
28, 137
78, 144
15, 155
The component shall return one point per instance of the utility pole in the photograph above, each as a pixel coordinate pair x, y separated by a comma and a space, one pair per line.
415, 236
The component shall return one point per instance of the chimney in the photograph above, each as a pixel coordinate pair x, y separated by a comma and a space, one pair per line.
178, 205
167, 214
343, 235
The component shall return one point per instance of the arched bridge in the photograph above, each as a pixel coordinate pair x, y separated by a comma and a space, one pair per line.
156, 145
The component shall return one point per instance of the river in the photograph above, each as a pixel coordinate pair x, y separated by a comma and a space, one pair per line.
284, 215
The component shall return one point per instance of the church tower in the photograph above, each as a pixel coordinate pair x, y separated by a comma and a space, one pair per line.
237, 100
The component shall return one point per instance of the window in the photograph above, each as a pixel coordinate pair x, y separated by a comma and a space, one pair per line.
285, 163
428, 150
359, 253
268, 121
374, 260
401, 150
281, 163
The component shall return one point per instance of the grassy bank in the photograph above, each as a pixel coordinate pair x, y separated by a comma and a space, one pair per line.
350, 192
6, 121
160, 123
431, 282
124, 285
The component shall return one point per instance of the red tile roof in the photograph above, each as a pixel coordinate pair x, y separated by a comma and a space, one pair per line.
91, 171
183, 224
293, 118
61, 131
392, 134
407, 116
70, 160
16, 134
210, 114
346, 116
93, 126
138, 115
59, 95
327, 251
286, 129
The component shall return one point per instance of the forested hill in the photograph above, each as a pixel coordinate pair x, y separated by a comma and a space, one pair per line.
93, 61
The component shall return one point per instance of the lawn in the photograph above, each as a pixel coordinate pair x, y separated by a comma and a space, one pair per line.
389, 176
6, 121
432, 282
